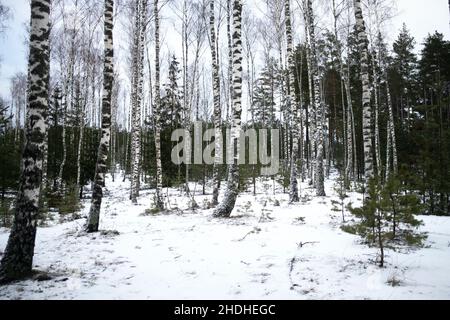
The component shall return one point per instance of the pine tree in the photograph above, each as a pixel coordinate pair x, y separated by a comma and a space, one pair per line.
405, 65
171, 111
103, 150
17, 260
341, 192
227, 205
263, 96
4, 118
386, 211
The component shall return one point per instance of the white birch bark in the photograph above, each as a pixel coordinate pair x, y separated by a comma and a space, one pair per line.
217, 109
226, 207
103, 150
159, 203
293, 191
17, 260
318, 105
367, 112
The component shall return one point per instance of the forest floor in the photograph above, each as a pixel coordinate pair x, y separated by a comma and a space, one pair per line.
300, 252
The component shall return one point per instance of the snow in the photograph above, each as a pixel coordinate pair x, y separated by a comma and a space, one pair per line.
190, 255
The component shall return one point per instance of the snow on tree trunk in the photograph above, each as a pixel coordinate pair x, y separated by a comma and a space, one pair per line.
376, 81
230, 60
137, 66
312, 111
17, 260
318, 105
82, 125
391, 145
217, 109
349, 169
227, 205
64, 147
103, 150
158, 196
366, 112
293, 191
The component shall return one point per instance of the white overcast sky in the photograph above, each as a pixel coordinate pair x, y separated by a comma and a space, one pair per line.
421, 16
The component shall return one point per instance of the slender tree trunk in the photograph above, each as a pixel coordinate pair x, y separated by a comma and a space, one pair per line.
227, 205
103, 150
312, 110
81, 137
391, 132
367, 112
319, 137
64, 147
140, 87
376, 81
17, 260
136, 99
158, 192
217, 109
293, 192
350, 168
230, 60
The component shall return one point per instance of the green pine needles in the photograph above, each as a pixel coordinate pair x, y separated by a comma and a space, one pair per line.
387, 219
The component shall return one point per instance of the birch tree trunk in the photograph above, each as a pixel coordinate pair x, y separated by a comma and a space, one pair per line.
311, 111
17, 260
108, 78
293, 191
367, 112
346, 109
135, 102
227, 205
158, 196
64, 147
376, 81
318, 105
391, 142
217, 109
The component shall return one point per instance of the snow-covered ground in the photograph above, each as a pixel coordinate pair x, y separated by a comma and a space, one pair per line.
301, 253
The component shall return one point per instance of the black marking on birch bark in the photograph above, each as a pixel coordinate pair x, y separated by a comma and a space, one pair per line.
101, 166
217, 109
293, 192
367, 112
226, 207
318, 104
17, 260
159, 203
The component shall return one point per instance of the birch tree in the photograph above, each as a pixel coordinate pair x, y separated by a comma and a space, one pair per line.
159, 204
293, 192
366, 107
17, 260
140, 23
227, 205
103, 150
217, 109
318, 104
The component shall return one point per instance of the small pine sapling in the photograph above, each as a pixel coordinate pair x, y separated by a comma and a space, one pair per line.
373, 221
386, 211
402, 207
341, 192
